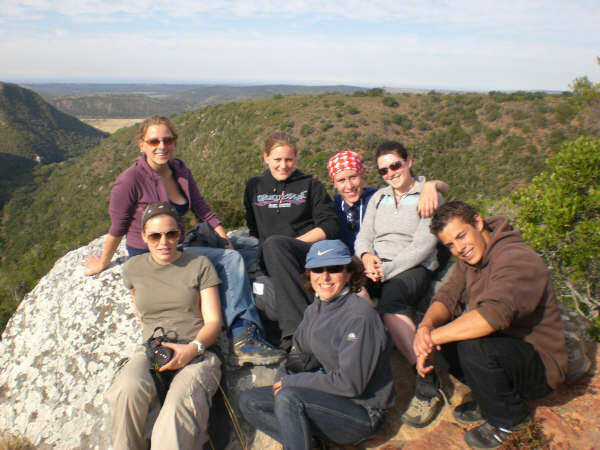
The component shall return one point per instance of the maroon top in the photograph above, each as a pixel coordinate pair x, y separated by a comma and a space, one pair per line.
139, 186
511, 288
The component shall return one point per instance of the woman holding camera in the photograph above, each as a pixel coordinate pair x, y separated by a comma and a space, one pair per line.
336, 381
157, 176
177, 291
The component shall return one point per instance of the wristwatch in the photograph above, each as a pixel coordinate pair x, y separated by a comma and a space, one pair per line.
200, 346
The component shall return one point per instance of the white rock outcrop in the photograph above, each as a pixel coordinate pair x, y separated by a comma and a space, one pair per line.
59, 351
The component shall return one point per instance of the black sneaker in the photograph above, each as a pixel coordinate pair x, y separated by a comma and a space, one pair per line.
251, 348
487, 436
468, 413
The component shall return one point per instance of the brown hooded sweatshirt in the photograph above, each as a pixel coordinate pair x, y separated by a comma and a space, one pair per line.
511, 288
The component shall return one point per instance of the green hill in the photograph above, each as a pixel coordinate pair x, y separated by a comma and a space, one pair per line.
33, 132
484, 146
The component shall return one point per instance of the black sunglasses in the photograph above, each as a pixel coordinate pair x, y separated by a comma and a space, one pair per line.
171, 235
394, 166
330, 269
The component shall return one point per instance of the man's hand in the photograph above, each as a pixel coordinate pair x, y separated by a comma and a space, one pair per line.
422, 368
277, 387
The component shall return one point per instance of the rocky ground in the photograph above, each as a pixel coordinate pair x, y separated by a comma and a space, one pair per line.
569, 417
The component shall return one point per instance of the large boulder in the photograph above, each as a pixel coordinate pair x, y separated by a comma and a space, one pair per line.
59, 351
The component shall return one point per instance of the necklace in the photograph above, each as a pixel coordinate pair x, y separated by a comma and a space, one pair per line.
400, 195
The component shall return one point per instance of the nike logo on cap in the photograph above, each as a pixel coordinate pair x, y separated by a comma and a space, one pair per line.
322, 253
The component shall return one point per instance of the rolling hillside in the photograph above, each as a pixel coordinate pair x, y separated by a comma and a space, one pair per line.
484, 146
101, 101
33, 132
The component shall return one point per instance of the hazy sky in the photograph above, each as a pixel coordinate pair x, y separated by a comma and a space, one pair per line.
460, 44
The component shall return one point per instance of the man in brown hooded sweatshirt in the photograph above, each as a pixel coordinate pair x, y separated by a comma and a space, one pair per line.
495, 322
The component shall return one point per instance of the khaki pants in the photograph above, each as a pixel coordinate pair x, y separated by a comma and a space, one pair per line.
183, 419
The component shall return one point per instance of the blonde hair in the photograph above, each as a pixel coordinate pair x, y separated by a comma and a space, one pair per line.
279, 139
155, 120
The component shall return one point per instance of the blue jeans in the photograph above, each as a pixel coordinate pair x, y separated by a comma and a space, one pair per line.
235, 291
297, 414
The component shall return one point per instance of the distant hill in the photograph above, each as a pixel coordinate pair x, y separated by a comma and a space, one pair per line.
34, 132
485, 146
141, 100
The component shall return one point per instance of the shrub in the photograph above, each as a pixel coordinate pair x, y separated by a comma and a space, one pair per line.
565, 112
559, 215
493, 134
326, 126
306, 130
389, 101
352, 110
375, 92
402, 120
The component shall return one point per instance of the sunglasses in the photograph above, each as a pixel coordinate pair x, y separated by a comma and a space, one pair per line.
169, 140
393, 166
171, 235
351, 217
330, 269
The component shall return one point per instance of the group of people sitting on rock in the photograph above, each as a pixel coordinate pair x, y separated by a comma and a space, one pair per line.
346, 273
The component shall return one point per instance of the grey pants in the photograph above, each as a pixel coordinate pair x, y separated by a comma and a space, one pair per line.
183, 419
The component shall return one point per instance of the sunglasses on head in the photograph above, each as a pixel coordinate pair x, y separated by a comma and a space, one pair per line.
393, 166
169, 140
171, 235
330, 269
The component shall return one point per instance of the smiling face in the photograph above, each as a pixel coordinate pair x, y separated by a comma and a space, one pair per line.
157, 156
328, 285
465, 241
401, 178
161, 243
281, 162
349, 184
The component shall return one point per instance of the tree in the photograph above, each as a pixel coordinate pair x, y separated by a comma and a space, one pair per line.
559, 215
585, 92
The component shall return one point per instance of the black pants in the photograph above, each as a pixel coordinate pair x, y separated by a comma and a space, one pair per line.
402, 293
284, 259
502, 372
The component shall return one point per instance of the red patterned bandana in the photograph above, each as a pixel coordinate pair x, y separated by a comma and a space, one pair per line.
346, 160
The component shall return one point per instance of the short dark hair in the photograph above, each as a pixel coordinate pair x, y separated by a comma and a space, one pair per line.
357, 279
449, 211
387, 147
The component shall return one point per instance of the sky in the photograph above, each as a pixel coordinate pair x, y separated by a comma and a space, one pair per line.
476, 45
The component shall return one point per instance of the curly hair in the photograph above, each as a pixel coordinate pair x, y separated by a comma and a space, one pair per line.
357, 279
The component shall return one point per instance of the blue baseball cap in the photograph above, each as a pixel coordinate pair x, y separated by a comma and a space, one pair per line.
328, 253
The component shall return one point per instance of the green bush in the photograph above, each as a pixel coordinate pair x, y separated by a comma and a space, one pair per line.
402, 120
559, 215
492, 134
565, 112
306, 130
326, 126
352, 110
390, 101
375, 92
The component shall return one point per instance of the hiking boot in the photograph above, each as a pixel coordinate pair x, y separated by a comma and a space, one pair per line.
251, 348
421, 411
487, 436
578, 362
468, 413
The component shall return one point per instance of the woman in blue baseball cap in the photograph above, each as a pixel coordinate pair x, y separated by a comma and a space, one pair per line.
336, 381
